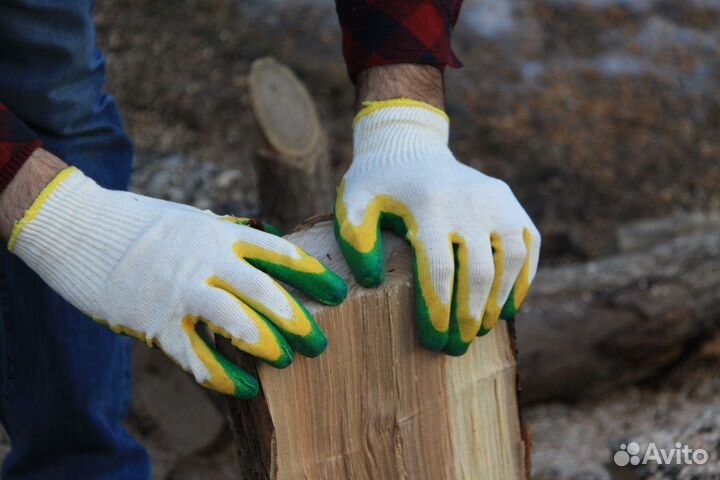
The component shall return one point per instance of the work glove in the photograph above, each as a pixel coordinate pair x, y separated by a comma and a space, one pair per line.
475, 248
156, 270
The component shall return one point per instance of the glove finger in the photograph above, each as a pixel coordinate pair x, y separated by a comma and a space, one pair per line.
360, 242
434, 277
265, 296
474, 274
247, 330
531, 239
290, 264
212, 369
509, 254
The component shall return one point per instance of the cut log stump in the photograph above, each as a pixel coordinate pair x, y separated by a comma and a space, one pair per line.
376, 405
293, 164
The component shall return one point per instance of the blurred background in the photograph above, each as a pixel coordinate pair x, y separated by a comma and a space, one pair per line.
599, 113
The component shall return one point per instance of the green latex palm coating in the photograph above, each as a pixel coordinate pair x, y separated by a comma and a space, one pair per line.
286, 355
256, 224
271, 229
246, 387
430, 338
455, 345
369, 270
310, 345
326, 287
509, 309
508, 312
394, 223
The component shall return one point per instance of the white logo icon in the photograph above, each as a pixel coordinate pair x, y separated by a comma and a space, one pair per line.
681, 454
627, 454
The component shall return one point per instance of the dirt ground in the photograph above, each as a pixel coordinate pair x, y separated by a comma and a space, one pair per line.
596, 112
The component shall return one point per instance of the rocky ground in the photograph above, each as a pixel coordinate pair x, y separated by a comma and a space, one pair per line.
578, 441
596, 112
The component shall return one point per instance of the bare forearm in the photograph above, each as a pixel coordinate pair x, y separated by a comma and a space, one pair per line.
30, 180
418, 82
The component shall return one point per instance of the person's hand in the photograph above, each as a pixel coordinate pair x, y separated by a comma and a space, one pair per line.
476, 250
156, 270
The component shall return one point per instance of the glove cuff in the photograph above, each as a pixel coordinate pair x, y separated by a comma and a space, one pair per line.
398, 132
74, 233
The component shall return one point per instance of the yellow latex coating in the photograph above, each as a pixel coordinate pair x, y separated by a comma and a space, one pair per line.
38, 203
468, 325
304, 263
219, 379
363, 238
492, 310
298, 324
523, 283
375, 105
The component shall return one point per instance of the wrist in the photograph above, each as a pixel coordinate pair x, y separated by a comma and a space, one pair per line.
34, 175
399, 132
418, 82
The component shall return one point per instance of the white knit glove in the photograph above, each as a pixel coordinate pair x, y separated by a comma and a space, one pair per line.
476, 250
155, 270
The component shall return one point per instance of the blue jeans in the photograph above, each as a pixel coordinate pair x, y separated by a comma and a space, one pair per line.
64, 380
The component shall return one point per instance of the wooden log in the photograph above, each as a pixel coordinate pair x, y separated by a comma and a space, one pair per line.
376, 405
639, 235
594, 327
293, 164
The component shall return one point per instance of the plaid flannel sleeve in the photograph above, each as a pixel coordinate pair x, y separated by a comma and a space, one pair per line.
17, 143
381, 32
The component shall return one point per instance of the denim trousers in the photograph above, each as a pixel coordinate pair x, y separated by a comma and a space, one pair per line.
64, 380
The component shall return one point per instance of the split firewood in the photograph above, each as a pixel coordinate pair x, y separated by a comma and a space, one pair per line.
376, 405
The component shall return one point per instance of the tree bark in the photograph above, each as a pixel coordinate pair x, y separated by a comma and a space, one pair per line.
293, 164
376, 405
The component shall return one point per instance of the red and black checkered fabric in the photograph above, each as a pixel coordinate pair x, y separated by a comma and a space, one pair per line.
381, 32
17, 143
